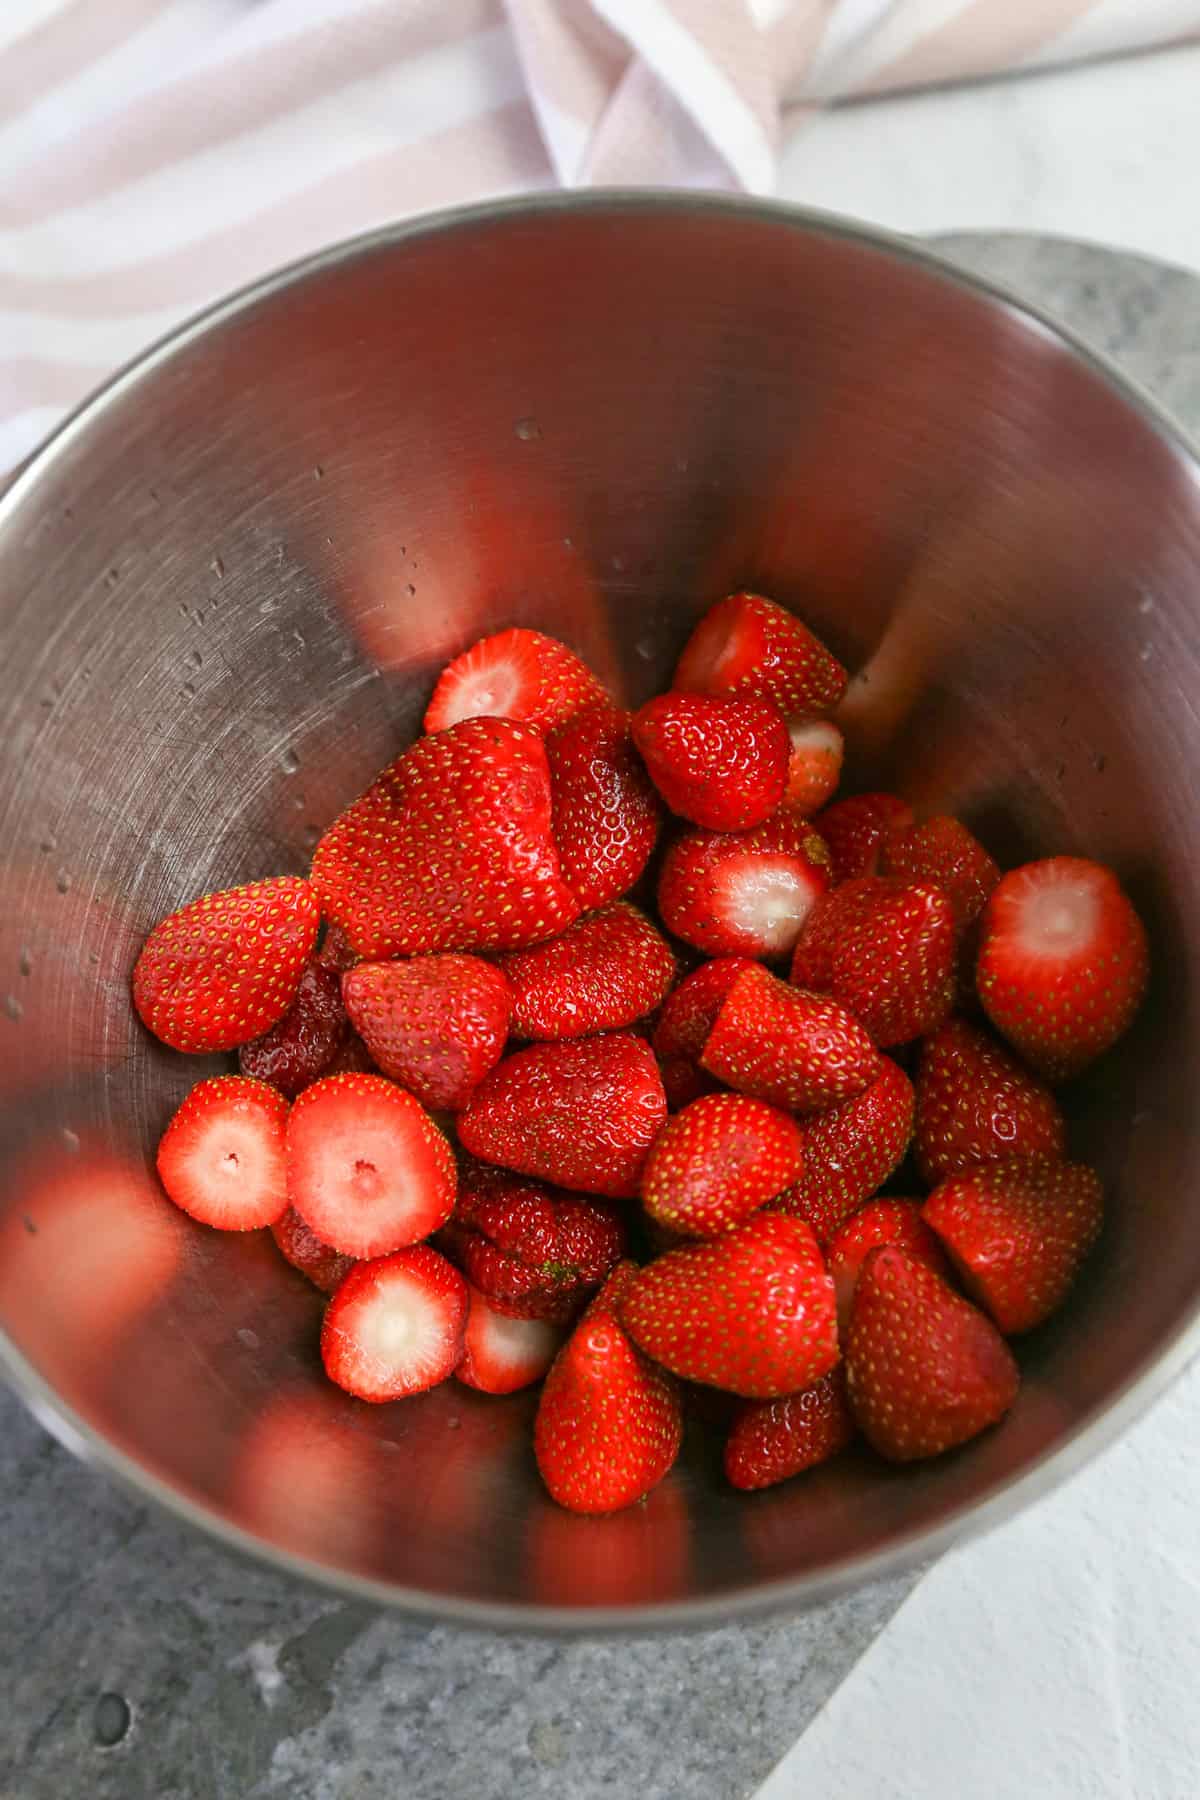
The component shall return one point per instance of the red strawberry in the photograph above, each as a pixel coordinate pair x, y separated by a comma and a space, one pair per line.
885, 950
605, 971
301, 1246
436, 1024
850, 1151
226, 967
925, 1370
780, 1044
772, 1440
1018, 1232
722, 763
501, 1354
717, 1161
858, 829
942, 850
684, 1081
221, 1159
450, 849
301, 1046
605, 811
976, 1104
581, 1114
533, 1251
1063, 963
749, 645
515, 674
745, 894
396, 1325
882, 1221
609, 1424
367, 1169
815, 764
751, 1311
336, 951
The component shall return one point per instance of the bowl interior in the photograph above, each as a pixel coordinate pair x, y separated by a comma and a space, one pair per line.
226, 591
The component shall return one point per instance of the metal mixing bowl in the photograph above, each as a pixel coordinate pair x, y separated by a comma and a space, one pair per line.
226, 585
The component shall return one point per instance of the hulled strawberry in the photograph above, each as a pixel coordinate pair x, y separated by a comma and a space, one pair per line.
814, 766
436, 1024
925, 1370
751, 1311
850, 1151
449, 849
720, 762
1017, 1232
778, 1043
743, 894
300, 1047
748, 644
976, 1104
942, 850
772, 1440
605, 971
885, 950
501, 1354
1063, 963
221, 1159
396, 1325
604, 809
226, 968
299, 1244
881, 1221
858, 830
514, 674
717, 1161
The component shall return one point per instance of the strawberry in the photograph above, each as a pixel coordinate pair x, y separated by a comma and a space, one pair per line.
684, 1081
749, 645
221, 1159
336, 951
501, 1354
850, 1151
746, 894
581, 1114
751, 1311
605, 812
609, 1424
352, 1058
717, 1161
882, 1221
1018, 1232
1063, 963
605, 971
857, 831
780, 1044
515, 674
531, 1250
722, 763
300, 1047
815, 764
772, 1440
925, 1370
976, 1104
367, 1169
449, 849
690, 1010
300, 1245
942, 850
436, 1024
226, 967
885, 950
396, 1325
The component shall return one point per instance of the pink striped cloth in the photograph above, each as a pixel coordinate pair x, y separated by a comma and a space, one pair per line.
156, 153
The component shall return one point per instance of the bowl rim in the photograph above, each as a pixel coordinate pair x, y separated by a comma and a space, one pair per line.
756, 1600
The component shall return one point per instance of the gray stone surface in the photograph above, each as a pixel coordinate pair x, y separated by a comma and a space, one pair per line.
242, 1685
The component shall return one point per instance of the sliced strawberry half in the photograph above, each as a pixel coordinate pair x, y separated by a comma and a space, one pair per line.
815, 764
748, 644
772, 1440
221, 1159
501, 1355
717, 1161
1063, 963
720, 762
226, 967
436, 1024
604, 972
743, 894
925, 1370
1018, 1232
450, 849
850, 1151
797, 1050
299, 1049
367, 1169
858, 830
515, 674
299, 1244
882, 1221
396, 1325
885, 950
976, 1103
606, 813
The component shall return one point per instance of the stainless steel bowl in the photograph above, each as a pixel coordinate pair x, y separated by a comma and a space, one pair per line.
226, 584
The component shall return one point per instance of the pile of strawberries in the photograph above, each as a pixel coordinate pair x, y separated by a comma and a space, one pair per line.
515, 1128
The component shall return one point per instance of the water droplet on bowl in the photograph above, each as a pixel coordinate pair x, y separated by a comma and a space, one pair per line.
527, 430
13, 1008
111, 1719
1146, 652
289, 762
249, 1338
411, 590
318, 473
188, 690
218, 568
196, 660
25, 963
70, 1140
63, 882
